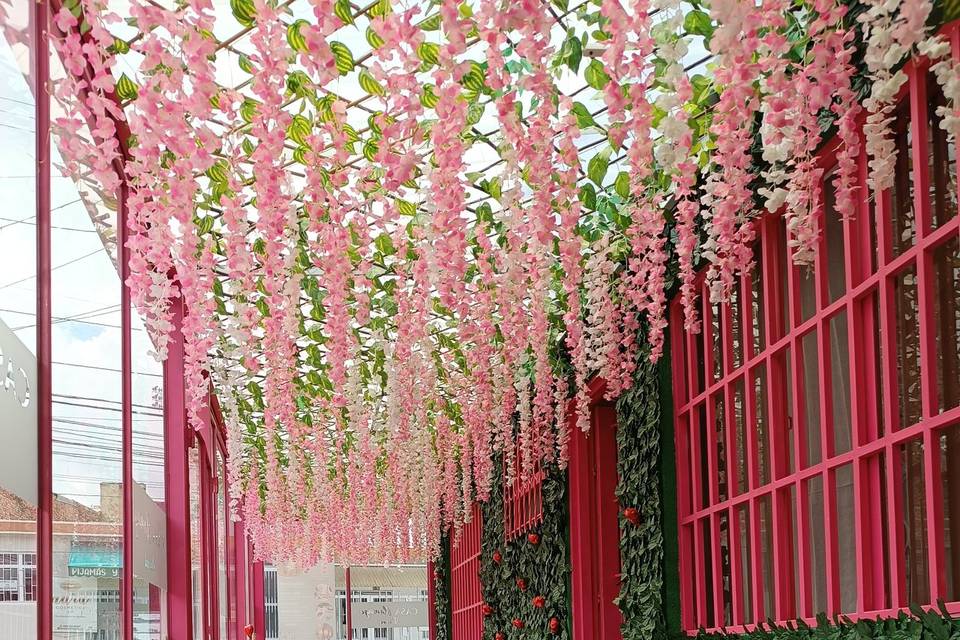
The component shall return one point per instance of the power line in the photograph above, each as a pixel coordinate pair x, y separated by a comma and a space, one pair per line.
59, 266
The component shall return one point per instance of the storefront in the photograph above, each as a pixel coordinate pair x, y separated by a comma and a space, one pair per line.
114, 518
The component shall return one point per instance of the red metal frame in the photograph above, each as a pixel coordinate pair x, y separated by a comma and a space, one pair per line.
738, 543
594, 527
522, 497
466, 595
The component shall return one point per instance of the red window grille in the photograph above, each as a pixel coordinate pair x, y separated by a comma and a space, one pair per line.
522, 497
816, 413
466, 597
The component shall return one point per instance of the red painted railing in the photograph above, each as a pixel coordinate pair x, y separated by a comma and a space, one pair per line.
815, 414
522, 497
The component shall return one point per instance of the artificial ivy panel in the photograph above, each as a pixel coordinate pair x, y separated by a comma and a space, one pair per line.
641, 518
441, 583
916, 625
526, 581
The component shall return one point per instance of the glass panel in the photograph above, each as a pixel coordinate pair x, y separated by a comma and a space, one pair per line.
846, 538
86, 339
908, 346
795, 543
739, 416
833, 231
710, 620
716, 341
817, 543
783, 394
698, 342
950, 485
757, 311
720, 434
943, 159
746, 555
840, 383
703, 444
221, 547
884, 526
762, 426
783, 269
806, 278
946, 319
193, 463
18, 320
878, 356
914, 522
726, 576
902, 217
766, 555
150, 531
736, 324
811, 397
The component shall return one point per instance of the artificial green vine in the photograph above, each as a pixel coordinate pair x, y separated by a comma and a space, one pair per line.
441, 583
638, 492
538, 558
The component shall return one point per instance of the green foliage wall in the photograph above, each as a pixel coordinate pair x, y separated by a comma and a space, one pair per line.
544, 566
441, 582
916, 625
639, 414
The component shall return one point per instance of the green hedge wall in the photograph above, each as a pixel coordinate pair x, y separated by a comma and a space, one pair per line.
639, 494
441, 583
916, 625
543, 565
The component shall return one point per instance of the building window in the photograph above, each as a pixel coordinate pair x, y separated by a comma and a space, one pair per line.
271, 603
817, 415
18, 577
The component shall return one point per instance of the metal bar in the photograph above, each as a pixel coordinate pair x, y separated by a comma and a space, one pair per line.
259, 619
41, 75
126, 417
348, 596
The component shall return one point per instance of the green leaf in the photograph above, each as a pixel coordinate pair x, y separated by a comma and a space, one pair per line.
245, 64
342, 56
584, 118
380, 10
432, 23
597, 167
429, 98
474, 113
126, 89
245, 11
384, 244
595, 75
370, 149
119, 47
698, 22
429, 53
249, 109
369, 84
373, 38
405, 207
475, 78
295, 38
218, 171
588, 196
344, 11
299, 130
575, 54
622, 185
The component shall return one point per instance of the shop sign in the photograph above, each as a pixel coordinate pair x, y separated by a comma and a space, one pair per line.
390, 615
18, 407
75, 612
93, 572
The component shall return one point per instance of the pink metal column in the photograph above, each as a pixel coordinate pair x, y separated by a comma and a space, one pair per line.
41, 74
176, 485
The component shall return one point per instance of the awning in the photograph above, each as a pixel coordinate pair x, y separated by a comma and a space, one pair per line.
94, 562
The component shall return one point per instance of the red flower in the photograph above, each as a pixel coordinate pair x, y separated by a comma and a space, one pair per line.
487, 610
499, 636
533, 538
248, 631
554, 626
631, 514
522, 584
497, 556
518, 623
539, 601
